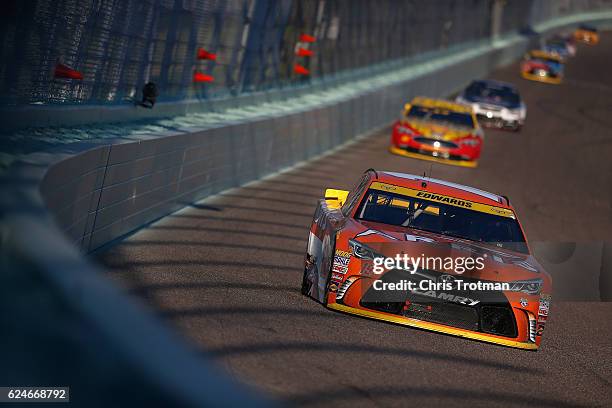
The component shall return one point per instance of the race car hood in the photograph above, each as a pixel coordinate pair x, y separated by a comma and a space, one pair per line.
495, 101
436, 130
499, 264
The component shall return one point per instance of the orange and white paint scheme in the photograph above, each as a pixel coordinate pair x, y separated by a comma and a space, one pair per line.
587, 35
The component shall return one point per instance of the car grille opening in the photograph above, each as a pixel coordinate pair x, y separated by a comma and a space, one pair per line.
464, 317
492, 314
387, 307
429, 153
432, 142
498, 320
494, 108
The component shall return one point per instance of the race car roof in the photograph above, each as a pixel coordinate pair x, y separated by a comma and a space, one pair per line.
544, 54
491, 83
587, 27
444, 187
440, 103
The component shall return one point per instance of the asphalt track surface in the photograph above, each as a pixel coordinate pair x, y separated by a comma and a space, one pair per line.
226, 272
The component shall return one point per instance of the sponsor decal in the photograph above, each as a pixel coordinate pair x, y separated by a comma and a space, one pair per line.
341, 269
449, 297
441, 104
540, 329
444, 199
337, 277
524, 302
457, 202
544, 307
341, 262
344, 254
333, 288
367, 268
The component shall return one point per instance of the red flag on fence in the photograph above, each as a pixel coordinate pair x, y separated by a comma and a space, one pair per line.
307, 38
205, 55
303, 52
64, 71
298, 69
200, 77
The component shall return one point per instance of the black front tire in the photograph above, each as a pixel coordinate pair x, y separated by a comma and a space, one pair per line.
305, 283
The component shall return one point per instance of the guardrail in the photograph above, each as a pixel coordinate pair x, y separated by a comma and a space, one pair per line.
100, 192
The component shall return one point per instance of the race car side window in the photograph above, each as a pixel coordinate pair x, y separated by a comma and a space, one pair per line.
354, 195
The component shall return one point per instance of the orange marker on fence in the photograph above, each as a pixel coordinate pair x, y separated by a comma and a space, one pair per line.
205, 55
200, 77
300, 70
303, 52
307, 38
64, 71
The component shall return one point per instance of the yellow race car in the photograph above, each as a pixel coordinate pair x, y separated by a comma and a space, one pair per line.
542, 66
438, 130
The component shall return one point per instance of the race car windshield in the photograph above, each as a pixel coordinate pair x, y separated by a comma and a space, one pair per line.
481, 92
416, 213
442, 116
544, 60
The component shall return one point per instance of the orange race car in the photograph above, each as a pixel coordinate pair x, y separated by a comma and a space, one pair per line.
438, 130
587, 34
427, 253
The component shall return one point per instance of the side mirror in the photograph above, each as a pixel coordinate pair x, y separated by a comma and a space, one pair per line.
335, 198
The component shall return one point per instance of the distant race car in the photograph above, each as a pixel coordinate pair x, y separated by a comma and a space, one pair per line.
438, 130
542, 66
557, 49
565, 45
587, 34
390, 217
496, 104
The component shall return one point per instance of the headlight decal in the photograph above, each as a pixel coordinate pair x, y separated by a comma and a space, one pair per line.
405, 130
360, 250
531, 287
472, 141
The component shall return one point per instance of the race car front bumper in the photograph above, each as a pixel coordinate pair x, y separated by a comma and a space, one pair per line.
440, 328
491, 316
438, 156
541, 78
498, 118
